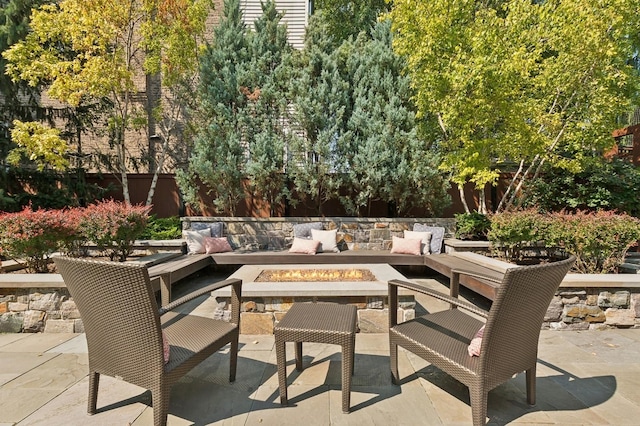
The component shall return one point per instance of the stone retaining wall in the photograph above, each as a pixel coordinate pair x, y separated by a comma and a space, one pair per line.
34, 310
593, 309
51, 310
354, 233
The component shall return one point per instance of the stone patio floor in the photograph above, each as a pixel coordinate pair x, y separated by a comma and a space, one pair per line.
584, 378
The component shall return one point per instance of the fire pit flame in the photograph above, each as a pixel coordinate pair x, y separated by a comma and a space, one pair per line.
311, 275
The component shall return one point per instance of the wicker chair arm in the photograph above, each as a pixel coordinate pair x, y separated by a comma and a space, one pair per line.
236, 283
437, 295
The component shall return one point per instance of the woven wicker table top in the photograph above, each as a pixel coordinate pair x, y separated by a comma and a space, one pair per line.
329, 317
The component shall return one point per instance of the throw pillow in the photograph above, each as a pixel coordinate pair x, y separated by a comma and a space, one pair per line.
476, 343
303, 230
437, 236
214, 227
406, 245
327, 240
216, 245
195, 240
424, 236
304, 246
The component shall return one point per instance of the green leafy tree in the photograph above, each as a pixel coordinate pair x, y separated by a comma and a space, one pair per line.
88, 51
600, 185
388, 161
218, 160
518, 81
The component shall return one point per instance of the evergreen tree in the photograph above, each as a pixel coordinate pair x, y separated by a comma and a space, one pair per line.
218, 159
348, 18
267, 104
387, 159
320, 99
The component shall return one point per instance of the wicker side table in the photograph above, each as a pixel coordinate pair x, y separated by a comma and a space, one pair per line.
319, 323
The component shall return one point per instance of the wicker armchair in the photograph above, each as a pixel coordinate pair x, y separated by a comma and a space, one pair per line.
124, 328
510, 342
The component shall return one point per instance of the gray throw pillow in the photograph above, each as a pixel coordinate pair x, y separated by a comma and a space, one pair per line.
214, 227
437, 235
303, 230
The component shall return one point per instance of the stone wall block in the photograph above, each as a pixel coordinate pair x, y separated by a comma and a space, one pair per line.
11, 322
406, 314
375, 303
69, 310
256, 323
59, 326
78, 326
45, 302
376, 235
373, 320
619, 299
620, 317
8, 298
554, 311
4, 307
580, 312
18, 306
635, 303
34, 321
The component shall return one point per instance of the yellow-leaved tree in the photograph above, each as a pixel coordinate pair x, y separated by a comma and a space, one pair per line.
92, 50
517, 83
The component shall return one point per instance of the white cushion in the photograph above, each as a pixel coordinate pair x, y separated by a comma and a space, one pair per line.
424, 236
195, 240
327, 240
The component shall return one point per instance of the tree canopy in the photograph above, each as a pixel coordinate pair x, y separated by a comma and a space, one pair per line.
87, 51
516, 81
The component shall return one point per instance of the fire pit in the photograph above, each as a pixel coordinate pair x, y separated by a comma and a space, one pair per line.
316, 280
268, 291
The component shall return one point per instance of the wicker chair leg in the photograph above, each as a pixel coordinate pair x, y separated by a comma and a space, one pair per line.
233, 360
393, 360
94, 380
160, 401
281, 355
478, 398
531, 385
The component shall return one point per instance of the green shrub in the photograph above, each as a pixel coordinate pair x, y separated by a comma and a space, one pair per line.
113, 227
167, 228
34, 235
599, 240
472, 226
511, 232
